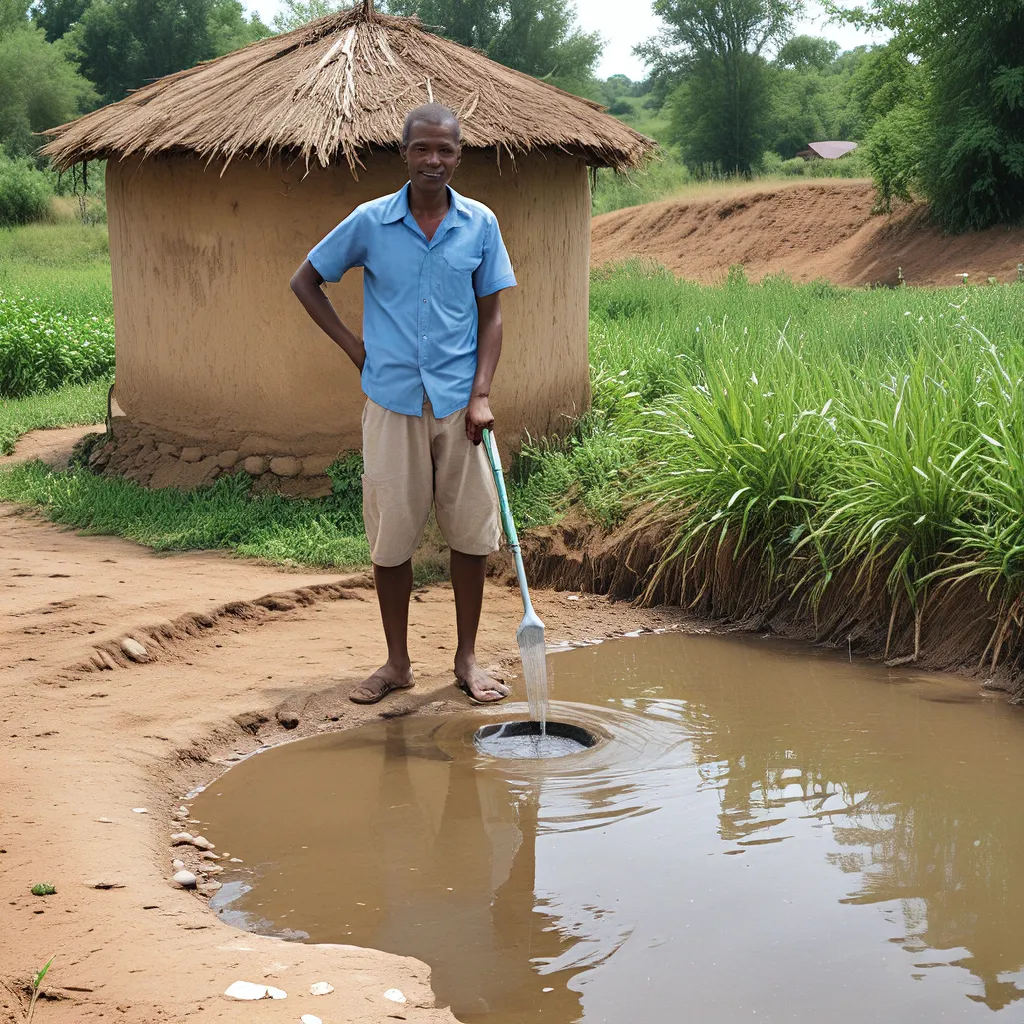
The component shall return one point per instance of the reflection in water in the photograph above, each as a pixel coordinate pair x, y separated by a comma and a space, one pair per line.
768, 833
465, 885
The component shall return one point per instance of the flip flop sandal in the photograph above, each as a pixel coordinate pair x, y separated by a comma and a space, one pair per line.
387, 688
464, 687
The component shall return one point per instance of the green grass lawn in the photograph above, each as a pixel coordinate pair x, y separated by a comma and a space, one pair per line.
325, 533
66, 266
64, 407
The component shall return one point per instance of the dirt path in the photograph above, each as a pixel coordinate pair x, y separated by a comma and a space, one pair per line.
52, 446
82, 746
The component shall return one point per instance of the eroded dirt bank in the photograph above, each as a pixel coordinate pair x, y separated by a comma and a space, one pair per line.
232, 642
961, 628
816, 230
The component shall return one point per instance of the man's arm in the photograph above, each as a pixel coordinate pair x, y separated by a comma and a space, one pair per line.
488, 351
306, 282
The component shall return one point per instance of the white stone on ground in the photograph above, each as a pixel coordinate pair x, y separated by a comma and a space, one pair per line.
178, 865
140, 810
134, 649
182, 838
308, 1018
202, 843
321, 988
395, 995
245, 990
185, 879
276, 993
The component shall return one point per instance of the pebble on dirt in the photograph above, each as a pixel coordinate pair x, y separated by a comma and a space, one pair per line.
182, 838
308, 1018
134, 649
245, 990
184, 879
202, 843
395, 995
178, 865
321, 988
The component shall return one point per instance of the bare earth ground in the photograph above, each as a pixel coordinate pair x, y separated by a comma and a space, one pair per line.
83, 745
810, 230
53, 447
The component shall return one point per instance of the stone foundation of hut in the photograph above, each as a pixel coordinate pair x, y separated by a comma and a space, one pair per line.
155, 457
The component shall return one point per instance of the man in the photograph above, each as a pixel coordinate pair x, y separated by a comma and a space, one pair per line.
434, 265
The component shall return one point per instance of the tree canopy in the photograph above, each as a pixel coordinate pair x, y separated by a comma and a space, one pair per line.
122, 44
38, 86
539, 37
943, 107
720, 109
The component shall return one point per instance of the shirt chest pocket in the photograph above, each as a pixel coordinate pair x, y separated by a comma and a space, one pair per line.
457, 268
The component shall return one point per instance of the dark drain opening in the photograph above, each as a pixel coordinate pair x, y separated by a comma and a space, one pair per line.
524, 739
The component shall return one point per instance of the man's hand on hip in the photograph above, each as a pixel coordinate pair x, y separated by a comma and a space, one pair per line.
478, 418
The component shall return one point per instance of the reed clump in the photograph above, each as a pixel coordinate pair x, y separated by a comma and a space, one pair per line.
846, 463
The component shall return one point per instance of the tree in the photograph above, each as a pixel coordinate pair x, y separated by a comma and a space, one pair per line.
958, 98
717, 52
885, 78
811, 94
122, 44
297, 13
802, 53
540, 37
39, 88
720, 114
57, 17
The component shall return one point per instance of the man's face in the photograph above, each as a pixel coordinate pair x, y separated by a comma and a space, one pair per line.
432, 154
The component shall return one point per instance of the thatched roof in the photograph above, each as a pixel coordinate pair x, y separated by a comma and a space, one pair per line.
336, 86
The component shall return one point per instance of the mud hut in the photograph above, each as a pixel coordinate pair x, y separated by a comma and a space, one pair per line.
220, 179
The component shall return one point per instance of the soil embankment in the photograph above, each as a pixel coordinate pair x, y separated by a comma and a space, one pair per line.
808, 230
92, 732
960, 628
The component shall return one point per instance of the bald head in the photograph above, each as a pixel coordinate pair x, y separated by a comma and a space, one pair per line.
436, 115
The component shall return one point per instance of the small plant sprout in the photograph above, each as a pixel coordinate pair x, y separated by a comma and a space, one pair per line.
963, 278
36, 982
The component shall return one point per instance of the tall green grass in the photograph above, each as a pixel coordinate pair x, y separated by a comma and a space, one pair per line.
808, 434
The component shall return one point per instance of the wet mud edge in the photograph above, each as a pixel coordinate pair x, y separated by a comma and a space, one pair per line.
308, 713
960, 631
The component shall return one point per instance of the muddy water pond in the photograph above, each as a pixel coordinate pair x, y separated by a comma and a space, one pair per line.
764, 833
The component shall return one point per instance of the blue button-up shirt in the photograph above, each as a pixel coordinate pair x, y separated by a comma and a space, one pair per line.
419, 297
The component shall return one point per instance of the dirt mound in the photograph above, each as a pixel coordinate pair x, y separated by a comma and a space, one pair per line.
809, 230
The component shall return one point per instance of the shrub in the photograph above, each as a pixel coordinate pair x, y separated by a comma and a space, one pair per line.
41, 348
25, 193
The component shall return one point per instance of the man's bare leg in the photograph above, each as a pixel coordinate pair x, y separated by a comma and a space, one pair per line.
468, 574
394, 588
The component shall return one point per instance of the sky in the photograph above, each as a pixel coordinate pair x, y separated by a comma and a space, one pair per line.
623, 25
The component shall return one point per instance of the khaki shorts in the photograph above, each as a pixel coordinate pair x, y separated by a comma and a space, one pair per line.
411, 462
